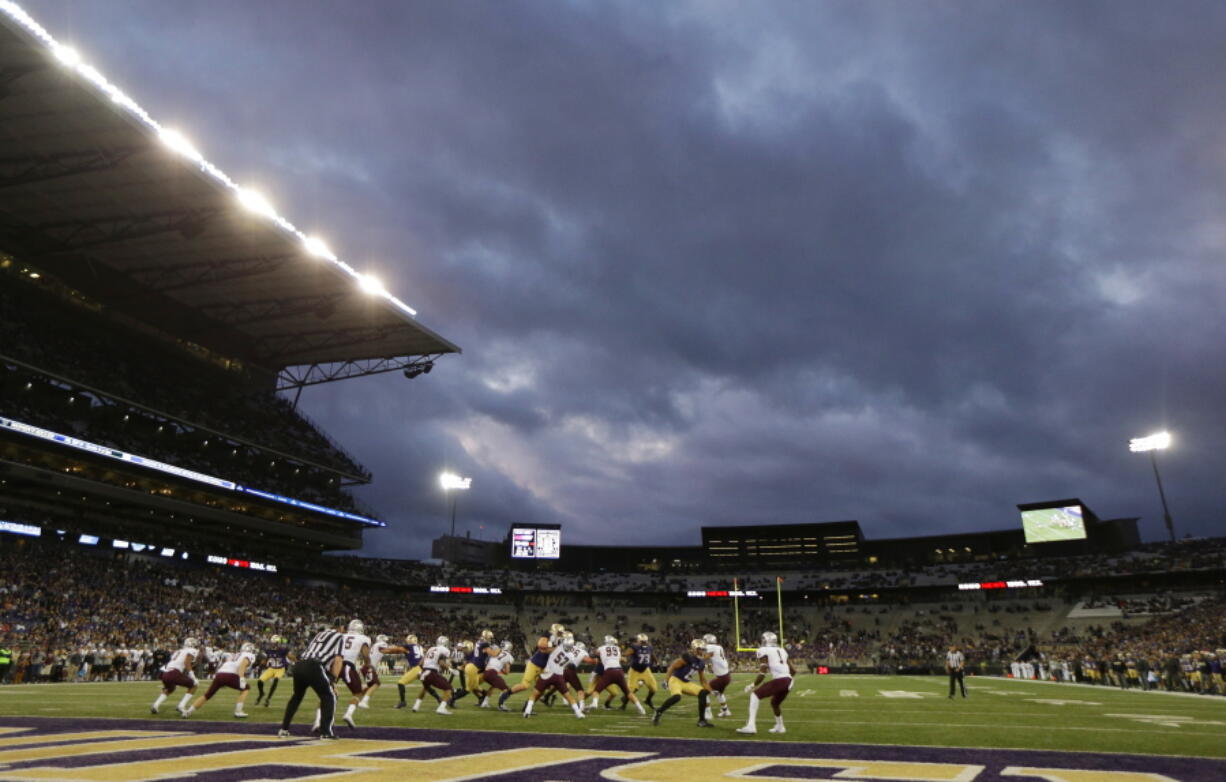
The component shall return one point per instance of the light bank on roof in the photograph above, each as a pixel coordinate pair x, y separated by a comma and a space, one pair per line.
97, 193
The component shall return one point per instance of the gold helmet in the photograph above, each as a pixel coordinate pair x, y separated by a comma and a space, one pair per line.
641, 638
487, 635
556, 629
410, 639
697, 645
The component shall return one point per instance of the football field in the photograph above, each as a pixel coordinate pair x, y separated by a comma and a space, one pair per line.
871, 718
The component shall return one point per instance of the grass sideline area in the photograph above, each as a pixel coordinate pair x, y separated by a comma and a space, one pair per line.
888, 710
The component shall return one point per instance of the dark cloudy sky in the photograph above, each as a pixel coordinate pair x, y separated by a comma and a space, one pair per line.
910, 263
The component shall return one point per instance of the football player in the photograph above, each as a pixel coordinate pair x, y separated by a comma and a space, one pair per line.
231, 673
641, 660
412, 670
474, 666
536, 663
721, 673
553, 677
775, 662
679, 683
370, 674
277, 658
178, 673
355, 653
434, 664
497, 664
611, 674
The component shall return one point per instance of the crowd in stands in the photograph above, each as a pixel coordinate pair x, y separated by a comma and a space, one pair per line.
117, 371
67, 610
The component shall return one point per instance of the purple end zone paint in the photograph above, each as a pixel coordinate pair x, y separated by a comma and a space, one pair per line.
457, 742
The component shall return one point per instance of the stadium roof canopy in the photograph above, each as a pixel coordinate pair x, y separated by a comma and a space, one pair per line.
96, 193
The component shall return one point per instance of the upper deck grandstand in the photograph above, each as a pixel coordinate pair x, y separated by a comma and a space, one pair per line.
150, 312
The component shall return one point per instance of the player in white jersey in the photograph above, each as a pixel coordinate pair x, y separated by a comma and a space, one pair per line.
774, 661
370, 677
554, 676
721, 673
497, 665
355, 655
231, 673
178, 673
434, 664
610, 674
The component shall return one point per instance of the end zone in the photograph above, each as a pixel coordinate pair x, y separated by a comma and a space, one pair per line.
33, 748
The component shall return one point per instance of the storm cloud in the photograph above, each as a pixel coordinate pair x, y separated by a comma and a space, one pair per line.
728, 262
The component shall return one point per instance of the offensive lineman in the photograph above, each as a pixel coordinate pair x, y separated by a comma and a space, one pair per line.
611, 675
413, 654
775, 662
554, 676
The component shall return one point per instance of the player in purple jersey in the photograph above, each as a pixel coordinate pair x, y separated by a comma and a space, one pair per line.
277, 658
679, 673
641, 658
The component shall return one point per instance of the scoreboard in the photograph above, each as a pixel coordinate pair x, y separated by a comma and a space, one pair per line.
540, 542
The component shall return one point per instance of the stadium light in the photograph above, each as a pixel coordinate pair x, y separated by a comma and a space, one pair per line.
452, 483
256, 202
1159, 441
179, 143
371, 284
316, 246
67, 55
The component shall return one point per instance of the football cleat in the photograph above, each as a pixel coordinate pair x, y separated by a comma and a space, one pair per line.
241, 715
778, 729
705, 724
747, 730
328, 737
401, 705
284, 734
442, 709
349, 721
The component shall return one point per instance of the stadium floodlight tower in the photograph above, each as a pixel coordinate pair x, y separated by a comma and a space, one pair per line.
1154, 443
452, 483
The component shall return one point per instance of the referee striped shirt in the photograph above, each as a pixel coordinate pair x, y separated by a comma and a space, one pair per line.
324, 646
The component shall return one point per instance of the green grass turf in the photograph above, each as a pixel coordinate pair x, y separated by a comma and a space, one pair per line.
999, 713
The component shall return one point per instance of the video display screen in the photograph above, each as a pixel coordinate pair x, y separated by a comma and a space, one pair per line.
535, 543
1048, 525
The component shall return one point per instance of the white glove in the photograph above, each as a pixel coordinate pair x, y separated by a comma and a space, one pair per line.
748, 688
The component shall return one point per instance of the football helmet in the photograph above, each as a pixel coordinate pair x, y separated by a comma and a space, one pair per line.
580, 646
487, 635
556, 629
356, 626
641, 638
505, 646
410, 639
442, 640
381, 638
247, 647
769, 639
567, 635
609, 639
191, 643
709, 638
568, 642
697, 645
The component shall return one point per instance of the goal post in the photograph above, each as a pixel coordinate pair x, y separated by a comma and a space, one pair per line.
736, 612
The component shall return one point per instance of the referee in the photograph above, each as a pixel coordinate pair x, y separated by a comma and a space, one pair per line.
954, 662
317, 668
